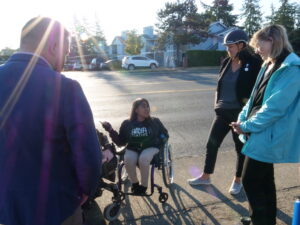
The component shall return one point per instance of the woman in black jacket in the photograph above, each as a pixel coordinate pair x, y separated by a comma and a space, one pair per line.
238, 74
143, 136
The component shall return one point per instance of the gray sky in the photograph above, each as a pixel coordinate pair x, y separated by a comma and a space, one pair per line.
114, 15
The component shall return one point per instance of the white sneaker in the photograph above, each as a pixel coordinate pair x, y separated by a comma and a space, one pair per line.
199, 181
235, 188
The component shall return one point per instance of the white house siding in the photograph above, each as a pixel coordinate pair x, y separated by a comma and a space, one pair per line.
117, 48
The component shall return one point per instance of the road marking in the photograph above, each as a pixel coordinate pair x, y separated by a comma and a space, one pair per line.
161, 92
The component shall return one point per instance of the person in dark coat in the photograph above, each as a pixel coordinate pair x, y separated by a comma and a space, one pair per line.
237, 77
49, 151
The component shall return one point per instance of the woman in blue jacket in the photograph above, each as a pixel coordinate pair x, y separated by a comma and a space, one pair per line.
270, 121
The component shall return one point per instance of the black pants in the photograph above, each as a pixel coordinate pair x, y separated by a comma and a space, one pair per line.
220, 128
259, 185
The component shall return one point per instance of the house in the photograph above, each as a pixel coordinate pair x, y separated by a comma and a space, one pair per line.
148, 40
117, 48
167, 58
214, 40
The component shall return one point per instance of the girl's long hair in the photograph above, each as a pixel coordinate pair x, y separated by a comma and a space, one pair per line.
135, 105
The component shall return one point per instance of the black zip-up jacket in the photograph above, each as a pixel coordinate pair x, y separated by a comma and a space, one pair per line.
250, 67
157, 134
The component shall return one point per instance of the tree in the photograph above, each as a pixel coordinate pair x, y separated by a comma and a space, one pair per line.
298, 16
221, 11
5, 53
271, 18
252, 16
180, 24
96, 40
285, 15
295, 40
133, 43
87, 39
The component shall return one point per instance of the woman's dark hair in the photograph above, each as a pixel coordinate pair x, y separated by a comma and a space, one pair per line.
245, 53
135, 105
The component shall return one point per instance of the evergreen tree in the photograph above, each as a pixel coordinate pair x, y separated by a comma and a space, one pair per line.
220, 10
285, 15
88, 38
180, 24
295, 40
252, 16
298, 16
271, 18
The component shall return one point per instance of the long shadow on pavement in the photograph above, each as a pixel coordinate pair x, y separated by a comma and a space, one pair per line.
126, 212
284, 217
177, 194
212, 190
180, 215
93, 215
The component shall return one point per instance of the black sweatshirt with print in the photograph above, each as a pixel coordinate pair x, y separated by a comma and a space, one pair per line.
138, 136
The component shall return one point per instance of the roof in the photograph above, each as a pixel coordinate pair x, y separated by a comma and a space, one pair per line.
147, 37
118, 38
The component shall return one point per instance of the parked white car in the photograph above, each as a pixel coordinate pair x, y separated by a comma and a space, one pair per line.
132, 62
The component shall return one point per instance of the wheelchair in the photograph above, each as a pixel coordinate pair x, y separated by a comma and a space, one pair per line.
163, 161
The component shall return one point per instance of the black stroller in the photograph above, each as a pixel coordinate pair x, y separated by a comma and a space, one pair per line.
111, 211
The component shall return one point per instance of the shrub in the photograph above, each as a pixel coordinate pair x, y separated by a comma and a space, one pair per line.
205, 57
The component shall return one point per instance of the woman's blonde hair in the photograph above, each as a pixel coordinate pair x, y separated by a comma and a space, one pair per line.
275, 33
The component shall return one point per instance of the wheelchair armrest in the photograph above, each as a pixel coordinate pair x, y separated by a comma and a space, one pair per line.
120, 151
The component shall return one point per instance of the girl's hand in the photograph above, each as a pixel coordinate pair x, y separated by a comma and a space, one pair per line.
107, 126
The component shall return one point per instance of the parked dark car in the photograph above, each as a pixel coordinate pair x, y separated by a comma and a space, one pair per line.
68, 66
113, 64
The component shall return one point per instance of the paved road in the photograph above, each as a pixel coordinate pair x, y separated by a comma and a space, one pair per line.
183, 100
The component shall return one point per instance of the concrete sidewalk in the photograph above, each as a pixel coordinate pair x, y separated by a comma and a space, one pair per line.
205, 205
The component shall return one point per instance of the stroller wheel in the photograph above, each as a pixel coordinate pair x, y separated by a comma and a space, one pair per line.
112, 211
163, 197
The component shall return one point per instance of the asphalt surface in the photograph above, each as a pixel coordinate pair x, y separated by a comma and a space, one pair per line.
183, 100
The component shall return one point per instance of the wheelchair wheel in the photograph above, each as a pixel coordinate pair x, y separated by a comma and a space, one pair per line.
163, 197
112, 211
167, 167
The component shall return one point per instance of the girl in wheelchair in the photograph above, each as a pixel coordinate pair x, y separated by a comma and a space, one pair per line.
142, 136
